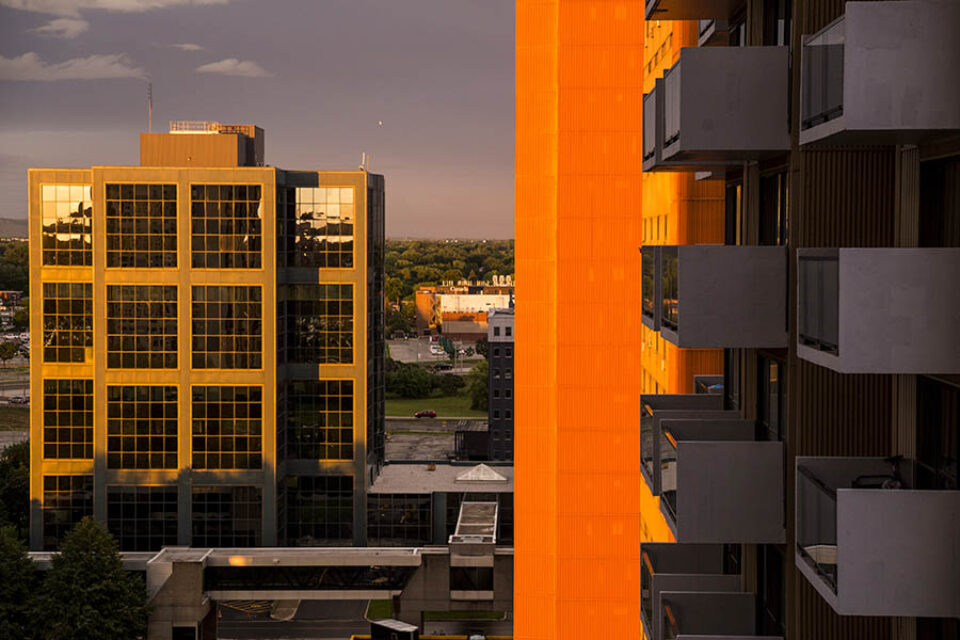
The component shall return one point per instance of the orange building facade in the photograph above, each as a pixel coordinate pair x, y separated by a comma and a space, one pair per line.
583, 209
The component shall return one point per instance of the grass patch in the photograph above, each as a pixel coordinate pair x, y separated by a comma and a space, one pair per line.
457, 406
379, 609
462, 615
14, 418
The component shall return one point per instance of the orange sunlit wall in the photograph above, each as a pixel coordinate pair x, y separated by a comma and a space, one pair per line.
677, 209
578, 376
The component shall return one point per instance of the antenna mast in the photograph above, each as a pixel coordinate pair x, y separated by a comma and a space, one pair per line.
150, 107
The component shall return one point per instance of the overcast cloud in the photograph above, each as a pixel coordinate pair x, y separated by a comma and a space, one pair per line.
320, 76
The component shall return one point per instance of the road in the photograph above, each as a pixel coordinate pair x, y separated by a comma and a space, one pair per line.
315, 620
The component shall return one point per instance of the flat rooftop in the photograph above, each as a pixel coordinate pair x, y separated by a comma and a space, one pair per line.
446, 478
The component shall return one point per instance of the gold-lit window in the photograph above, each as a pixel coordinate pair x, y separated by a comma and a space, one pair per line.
67, 217
317, 323
141, 427
141, 225
68, 419
67, 321
226, 226
317, 421
227, 427
66, 500
141, 327
321, 228
227, 327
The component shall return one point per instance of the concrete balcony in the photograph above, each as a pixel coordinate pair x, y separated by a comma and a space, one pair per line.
656, 407
879, 310
717, 107
708, 384
875, 551
668, 566
713, 33
708, 615
719, 485
690, 9
722, 296
883, 73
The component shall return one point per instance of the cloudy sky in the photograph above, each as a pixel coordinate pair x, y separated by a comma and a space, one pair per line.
318, 75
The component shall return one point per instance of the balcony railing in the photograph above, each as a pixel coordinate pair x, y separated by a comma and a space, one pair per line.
708, 615
854, 91
649, 287
718, 485
878, 310
654, 408
670, 288
871, 543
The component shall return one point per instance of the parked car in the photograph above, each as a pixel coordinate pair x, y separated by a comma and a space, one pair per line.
429, 413
442, 366
17, 400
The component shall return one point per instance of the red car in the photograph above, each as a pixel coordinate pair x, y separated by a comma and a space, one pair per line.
429, 413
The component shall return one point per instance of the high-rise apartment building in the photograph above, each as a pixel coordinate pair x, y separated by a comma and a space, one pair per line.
207, 348
500, 338
834, 130
818, 497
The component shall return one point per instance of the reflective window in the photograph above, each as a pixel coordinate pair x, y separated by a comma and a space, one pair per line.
67, 216
319, 226
67, 322
227, 427
316, 510
66, 500
226, 226
141, 225
317, 419
226, 516
141, 427
227, 328
398, 519
141, 327
142, 518
67, 419
471, 578
317, 322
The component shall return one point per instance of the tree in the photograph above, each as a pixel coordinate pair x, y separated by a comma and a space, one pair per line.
477, 386
483, 347
87, 594
450, 383
21, 317
15, 488
18, 586
410, 381
8, 351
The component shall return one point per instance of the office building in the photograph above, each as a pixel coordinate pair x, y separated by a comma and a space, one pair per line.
500, 395
207, 346
818, 497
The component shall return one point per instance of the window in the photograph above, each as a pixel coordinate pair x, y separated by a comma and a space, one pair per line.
496, 352
67, 216
226, 516
318, 323
731, 378
508, 373
142, 427
67, 322
507, 393
771, 599
733, 212
776, 23
317, 510
142, 518
226, 226
317, 419
66, 500
496, 394
771, 399
319, 226
68, 419
227, 328
508, 331
773, 209
496, 331
227, 427
142, 225
938, 434
398, 519
507, 414
940, 203
496, 414
471, 578
141, 327
509, 352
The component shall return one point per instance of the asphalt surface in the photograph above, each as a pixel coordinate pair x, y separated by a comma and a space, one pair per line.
315, 620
